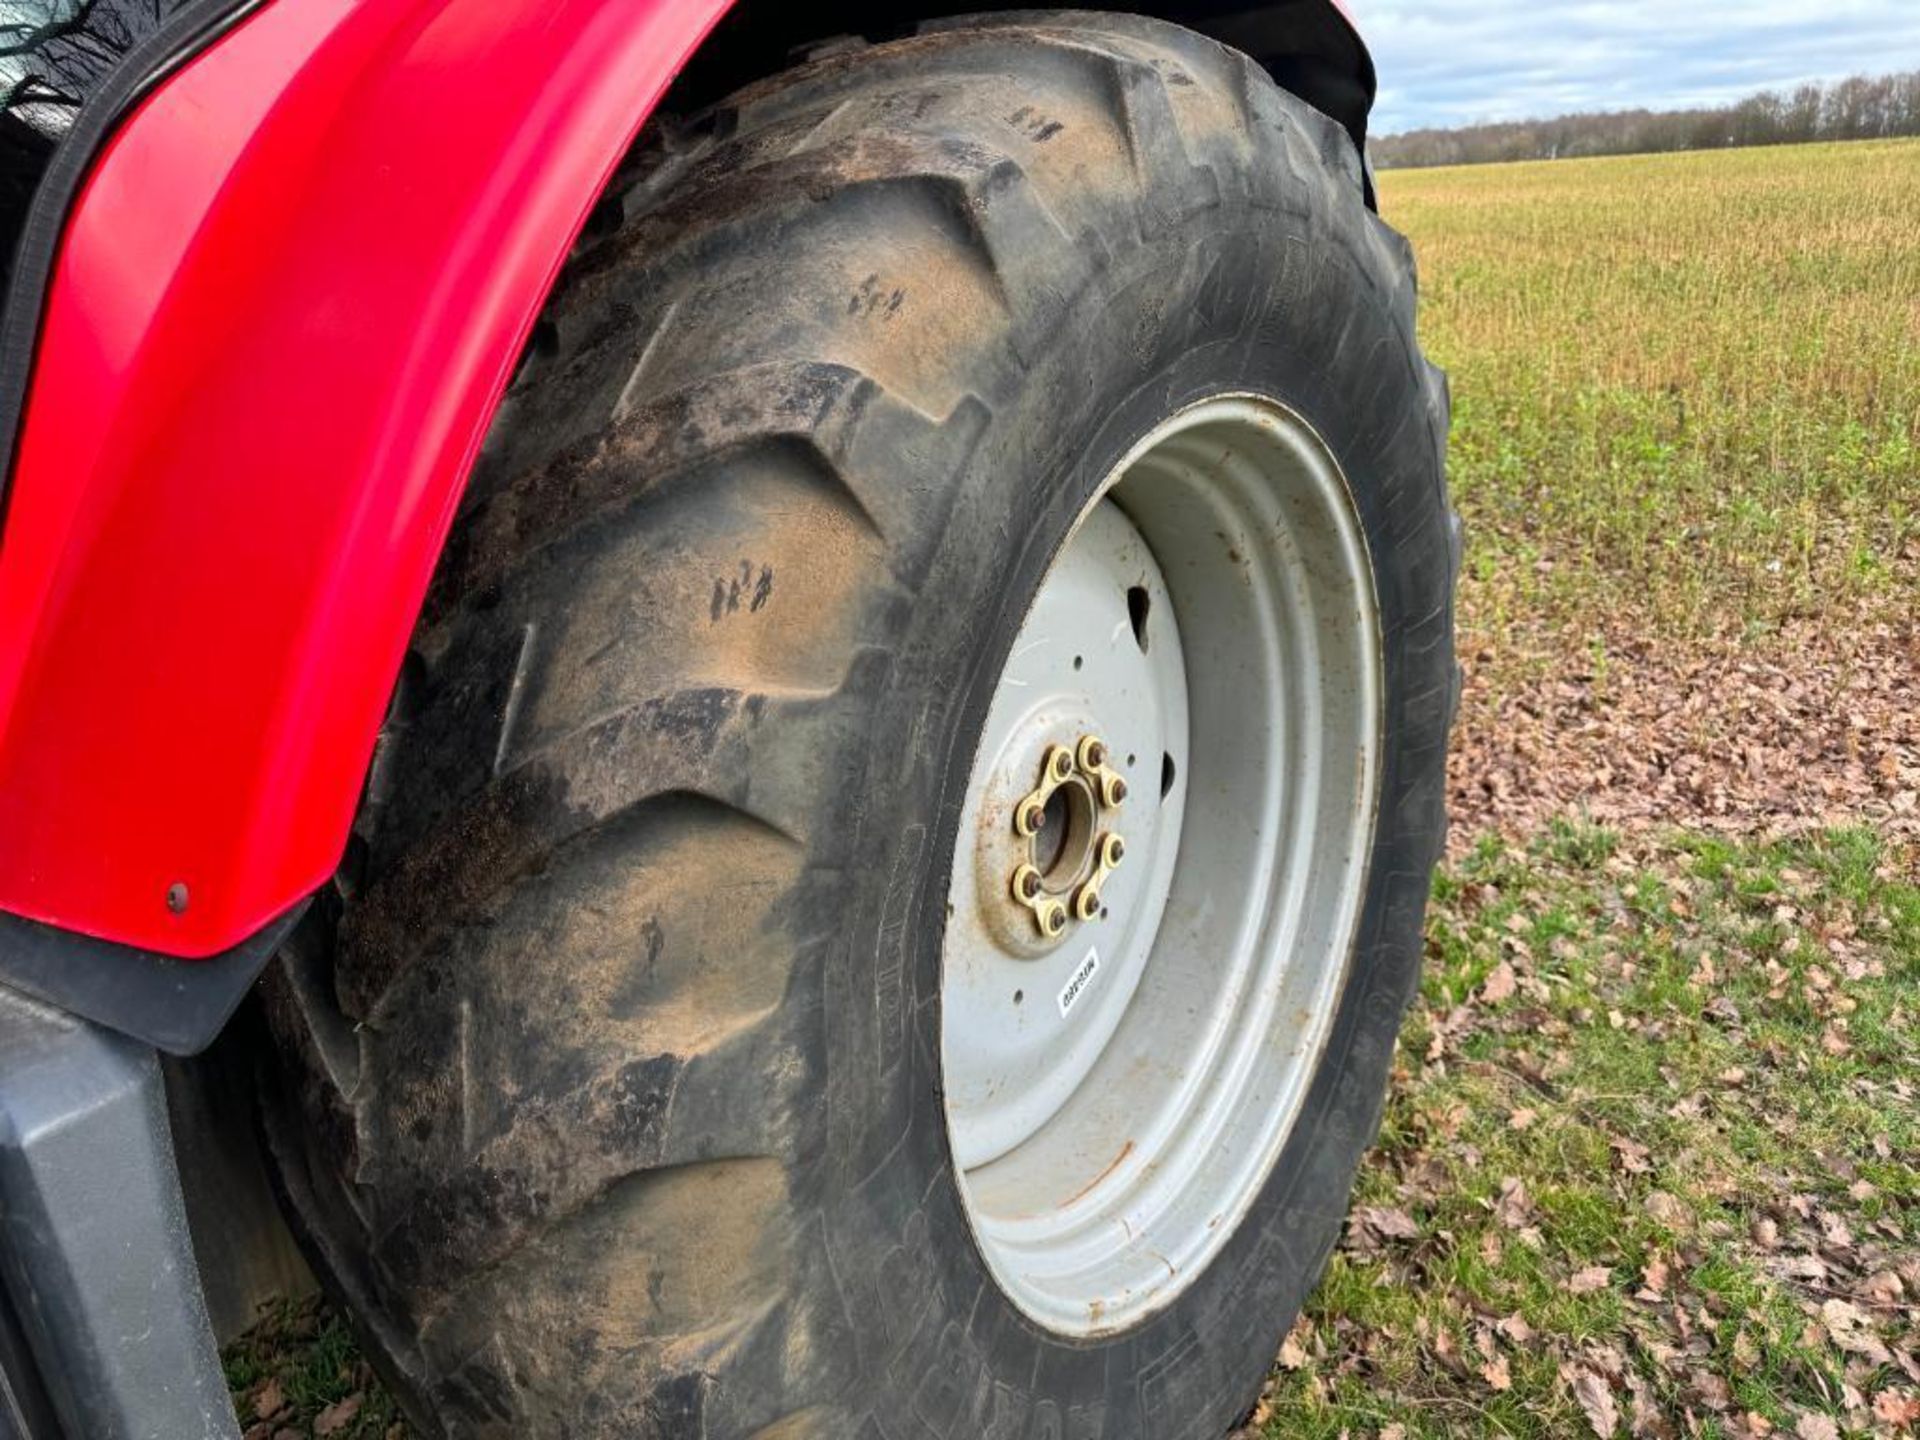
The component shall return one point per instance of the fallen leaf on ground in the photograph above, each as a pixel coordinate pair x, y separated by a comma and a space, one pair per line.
1590, 1279
1850, 1329
336, 1418
1293, 1354
1595, 1398
269, 1400
1514, 1207
1892, 1407
1667, 1209
1374, 1226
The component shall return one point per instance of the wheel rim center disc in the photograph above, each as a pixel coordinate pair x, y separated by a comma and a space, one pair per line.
1119, 1089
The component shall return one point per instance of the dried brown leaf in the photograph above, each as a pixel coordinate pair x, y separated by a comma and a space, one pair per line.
1514, 1208
1591, 1278
335, 1418
269, 1400
1594, 1397
1500, 984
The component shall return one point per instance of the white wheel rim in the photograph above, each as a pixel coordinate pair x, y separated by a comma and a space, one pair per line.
1112, 1118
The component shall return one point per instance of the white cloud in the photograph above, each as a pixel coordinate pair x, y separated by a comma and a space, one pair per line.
1457, 62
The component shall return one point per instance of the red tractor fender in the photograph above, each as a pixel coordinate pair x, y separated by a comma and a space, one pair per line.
284, 307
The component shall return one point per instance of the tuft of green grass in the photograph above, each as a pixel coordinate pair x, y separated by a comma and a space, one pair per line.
298, 1373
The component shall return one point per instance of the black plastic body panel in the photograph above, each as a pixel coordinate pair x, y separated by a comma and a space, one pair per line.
178, 1006
95, 1254
1308, 46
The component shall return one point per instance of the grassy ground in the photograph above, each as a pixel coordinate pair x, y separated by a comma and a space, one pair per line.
1649, 1166
299, 1374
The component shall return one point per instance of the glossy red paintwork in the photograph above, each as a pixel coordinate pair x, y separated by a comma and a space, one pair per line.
285, 307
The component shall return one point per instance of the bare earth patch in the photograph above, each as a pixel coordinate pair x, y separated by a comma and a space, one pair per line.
1817, 727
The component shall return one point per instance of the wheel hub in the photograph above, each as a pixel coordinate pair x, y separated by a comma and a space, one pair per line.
1071, 823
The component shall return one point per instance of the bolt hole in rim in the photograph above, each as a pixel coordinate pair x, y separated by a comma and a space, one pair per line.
1214, 605
1139, 607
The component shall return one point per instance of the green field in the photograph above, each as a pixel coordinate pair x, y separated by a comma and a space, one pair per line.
1650, 1166
1687, 387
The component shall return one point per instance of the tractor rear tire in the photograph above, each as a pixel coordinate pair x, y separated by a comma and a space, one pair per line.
613, 1098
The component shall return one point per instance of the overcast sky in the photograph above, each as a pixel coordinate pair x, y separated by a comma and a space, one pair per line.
1455, 62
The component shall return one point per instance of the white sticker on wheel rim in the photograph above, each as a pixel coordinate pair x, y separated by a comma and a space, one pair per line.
1079, 982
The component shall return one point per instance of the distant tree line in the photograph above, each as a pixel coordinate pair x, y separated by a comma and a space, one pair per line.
1856, 109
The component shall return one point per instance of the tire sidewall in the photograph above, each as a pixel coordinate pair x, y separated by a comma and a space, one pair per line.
1238, 298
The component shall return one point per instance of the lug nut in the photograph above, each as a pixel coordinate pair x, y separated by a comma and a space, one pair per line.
1031, 817
1116, 790
1087, 903
1060, 764
1026, 883
1093, 754
1116, 850
1053, 919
